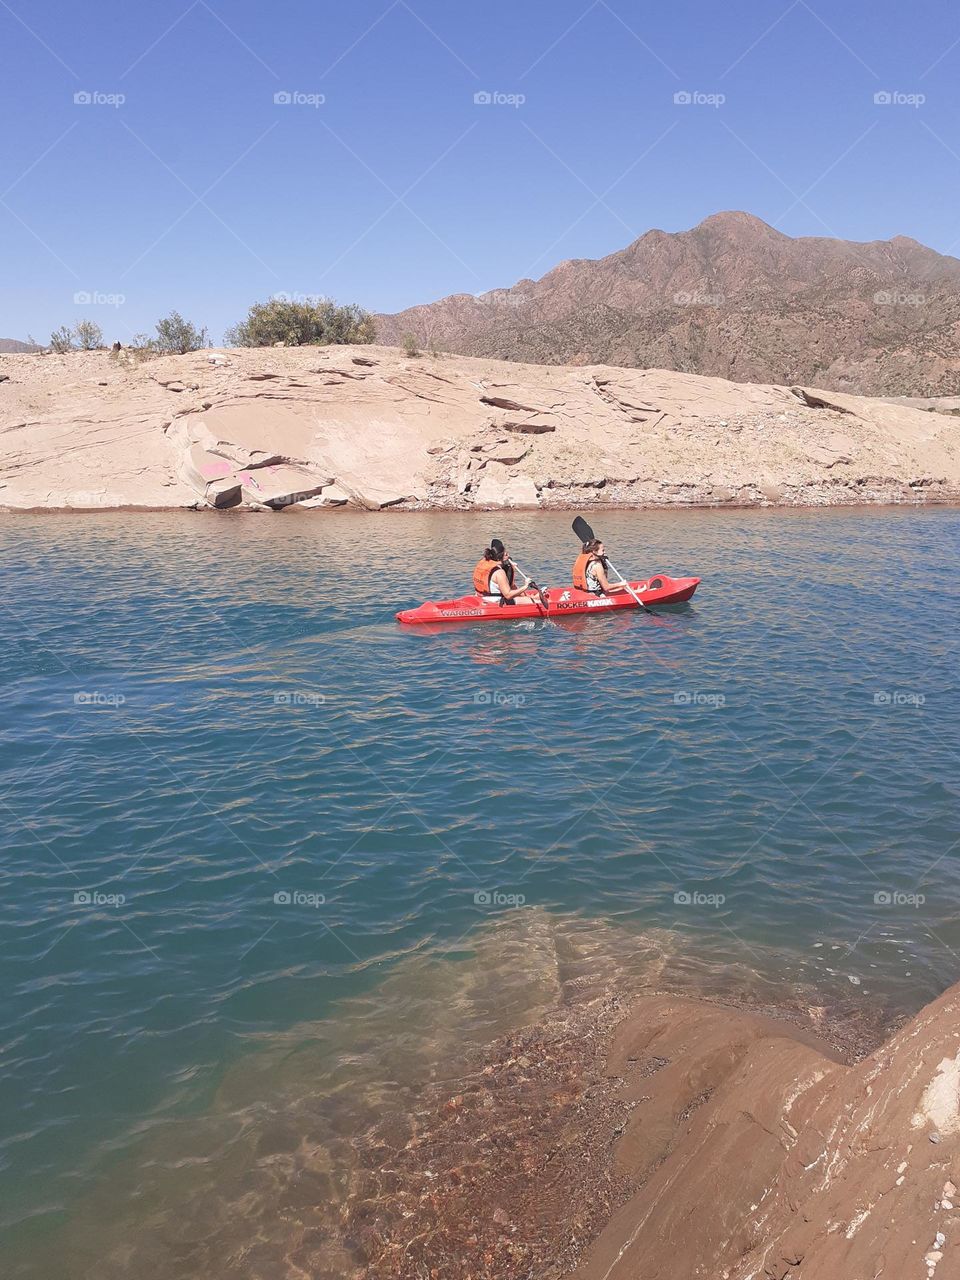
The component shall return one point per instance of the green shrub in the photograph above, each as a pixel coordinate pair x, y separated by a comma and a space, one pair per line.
61, 340
87, 335
176, 336
311, 322
409, 344
84, 336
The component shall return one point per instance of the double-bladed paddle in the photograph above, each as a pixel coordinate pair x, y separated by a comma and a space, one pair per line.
586, 534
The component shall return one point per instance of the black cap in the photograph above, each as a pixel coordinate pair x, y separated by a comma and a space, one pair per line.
497, 546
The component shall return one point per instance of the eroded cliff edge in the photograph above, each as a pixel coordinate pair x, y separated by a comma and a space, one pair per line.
371, 428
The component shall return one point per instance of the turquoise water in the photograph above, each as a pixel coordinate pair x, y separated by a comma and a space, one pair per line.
269, 859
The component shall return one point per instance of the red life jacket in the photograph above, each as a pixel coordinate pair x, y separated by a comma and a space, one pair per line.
580, 567
484, 572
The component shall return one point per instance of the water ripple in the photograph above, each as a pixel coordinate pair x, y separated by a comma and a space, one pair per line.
238, 798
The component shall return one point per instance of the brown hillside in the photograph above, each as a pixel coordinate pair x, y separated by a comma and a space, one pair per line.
731, 298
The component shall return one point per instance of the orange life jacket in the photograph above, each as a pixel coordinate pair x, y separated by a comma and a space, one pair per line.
484, 572
580, 567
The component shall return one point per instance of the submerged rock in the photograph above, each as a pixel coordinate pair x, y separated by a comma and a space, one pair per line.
672, 1137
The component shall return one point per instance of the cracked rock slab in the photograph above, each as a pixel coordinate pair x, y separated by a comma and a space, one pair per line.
446, 433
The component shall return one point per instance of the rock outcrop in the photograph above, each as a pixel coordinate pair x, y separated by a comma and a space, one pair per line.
370, 428
664, 1137
755, 1157
680, 1139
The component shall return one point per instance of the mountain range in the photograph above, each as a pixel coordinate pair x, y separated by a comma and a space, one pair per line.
732, 298
13, 346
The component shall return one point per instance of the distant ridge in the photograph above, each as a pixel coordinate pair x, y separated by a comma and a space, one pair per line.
732, 298
13, 346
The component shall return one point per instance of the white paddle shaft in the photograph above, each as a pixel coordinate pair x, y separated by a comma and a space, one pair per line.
626, 584
527, 581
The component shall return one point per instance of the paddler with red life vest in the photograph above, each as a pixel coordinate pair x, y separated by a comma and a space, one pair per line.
495, 575
590, 571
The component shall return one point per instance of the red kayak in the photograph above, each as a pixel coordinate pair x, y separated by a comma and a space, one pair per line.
561, 602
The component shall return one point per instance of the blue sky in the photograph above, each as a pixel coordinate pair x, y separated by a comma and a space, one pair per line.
199, 191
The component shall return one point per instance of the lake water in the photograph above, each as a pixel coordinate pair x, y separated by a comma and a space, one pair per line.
272, 861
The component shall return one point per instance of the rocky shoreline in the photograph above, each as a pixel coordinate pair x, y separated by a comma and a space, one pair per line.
370, 428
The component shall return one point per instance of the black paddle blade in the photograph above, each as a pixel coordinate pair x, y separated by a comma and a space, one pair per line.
582, 529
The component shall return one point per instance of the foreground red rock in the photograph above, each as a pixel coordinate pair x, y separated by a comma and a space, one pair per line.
371, 428
706, 1141
756, 1156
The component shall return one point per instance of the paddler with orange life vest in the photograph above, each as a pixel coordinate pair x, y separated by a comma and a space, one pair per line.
590, 571
495, 574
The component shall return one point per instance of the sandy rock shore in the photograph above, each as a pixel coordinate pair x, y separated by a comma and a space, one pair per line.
368, 427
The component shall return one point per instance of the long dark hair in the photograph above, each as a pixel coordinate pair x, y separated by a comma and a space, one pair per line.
490, 554
592, 547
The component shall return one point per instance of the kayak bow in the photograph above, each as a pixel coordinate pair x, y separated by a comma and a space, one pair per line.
559, 602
